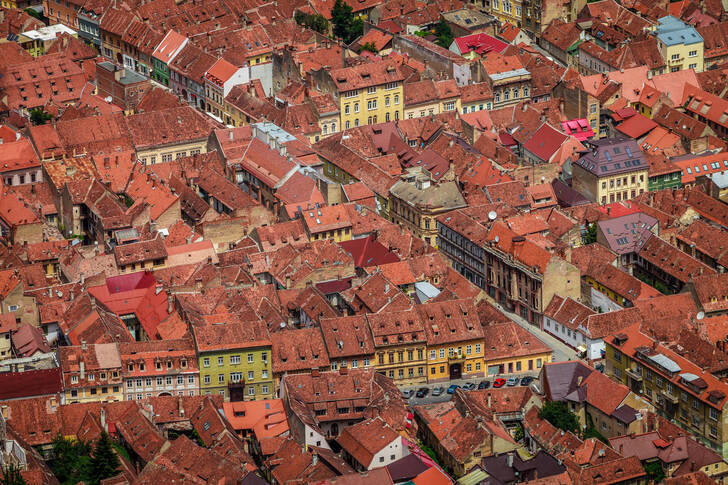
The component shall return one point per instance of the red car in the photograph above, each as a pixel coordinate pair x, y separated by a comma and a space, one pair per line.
499, 383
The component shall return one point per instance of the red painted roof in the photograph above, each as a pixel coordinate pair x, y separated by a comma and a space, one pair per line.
335, 286
16, 385
368, 252
545, 142
578, 128
481, 43
636, 126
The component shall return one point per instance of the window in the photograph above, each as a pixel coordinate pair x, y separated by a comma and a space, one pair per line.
190, 379
221, 378
477, 348
180, 380
206, 379
675, 57
206, 362
347, 109
396, 99
220, 361
449, 106
386, 101
251, 391
234, 359
372, 104
264, 389
372, 90
250, 358
264, 374
251, 375
713, 414
356, 107
593, 108
433, 354
442, 353
692, 53
692, 66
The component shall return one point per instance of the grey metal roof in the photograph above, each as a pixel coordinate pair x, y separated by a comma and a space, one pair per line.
665, 362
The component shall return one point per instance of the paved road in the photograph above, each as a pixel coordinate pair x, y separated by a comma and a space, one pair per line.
429, 399
562, 351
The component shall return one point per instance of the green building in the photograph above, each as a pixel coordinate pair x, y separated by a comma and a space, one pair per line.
663, 174
165, 53
235, 360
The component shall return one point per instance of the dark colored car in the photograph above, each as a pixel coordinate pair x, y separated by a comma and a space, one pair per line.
451, 389
484, 385
422, 392
500, 382
526, 380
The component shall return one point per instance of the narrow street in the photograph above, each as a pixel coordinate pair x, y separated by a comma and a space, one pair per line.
562, 351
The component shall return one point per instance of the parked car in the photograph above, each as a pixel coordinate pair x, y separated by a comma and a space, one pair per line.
408, 394
422, 392
500, 382
599, 367
438, 391
526, 380
512, 381
469, 386
451, 389
484, 385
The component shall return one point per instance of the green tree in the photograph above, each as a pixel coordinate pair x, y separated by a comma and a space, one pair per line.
558, 414
70, 461
38, 116
368, 46
11, 476
444, 34
518, 433
590, 235
654, 471
344, 24
313, 22
33, 13
104, 462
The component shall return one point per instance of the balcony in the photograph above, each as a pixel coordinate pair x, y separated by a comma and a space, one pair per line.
634, 374
669, 396
455, 356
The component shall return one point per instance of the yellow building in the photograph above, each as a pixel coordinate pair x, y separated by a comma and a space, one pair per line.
454, 340
368, 94
476, 97
328, 222
510, 11
680, 44
178, 132
37, 41
510, 349
400, 344
235, 359
428, 97
7, 327
91, 373
614, 170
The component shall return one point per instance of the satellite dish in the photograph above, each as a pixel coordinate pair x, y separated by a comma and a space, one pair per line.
492, 215
700, 315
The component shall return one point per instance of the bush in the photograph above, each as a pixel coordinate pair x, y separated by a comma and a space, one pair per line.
558, 414
313, 22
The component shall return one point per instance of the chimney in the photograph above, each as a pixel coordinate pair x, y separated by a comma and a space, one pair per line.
102, 418
170, 304
83, 278
82, 369
510, 460
93, 306
83, 345
180, 407
490, 400
230, 134
70, 294
314, 459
